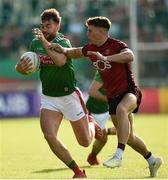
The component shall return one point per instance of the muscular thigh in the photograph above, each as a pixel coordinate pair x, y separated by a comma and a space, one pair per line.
129, 102
126, 100
81, 129
50, 121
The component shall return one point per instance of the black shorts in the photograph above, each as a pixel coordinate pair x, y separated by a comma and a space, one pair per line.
113, 102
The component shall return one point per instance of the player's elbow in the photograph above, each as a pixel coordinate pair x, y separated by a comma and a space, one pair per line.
130, 56
61, 61
91, 92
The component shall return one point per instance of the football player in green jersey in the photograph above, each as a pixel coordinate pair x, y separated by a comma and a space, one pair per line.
98, 107
60, 97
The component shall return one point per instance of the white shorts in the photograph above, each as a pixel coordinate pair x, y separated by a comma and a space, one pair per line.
71, 106
101, 119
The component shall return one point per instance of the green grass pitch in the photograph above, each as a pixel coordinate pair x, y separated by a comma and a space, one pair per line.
24, 154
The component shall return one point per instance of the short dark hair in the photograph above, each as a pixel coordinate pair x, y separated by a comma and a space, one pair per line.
51, 14
99, 21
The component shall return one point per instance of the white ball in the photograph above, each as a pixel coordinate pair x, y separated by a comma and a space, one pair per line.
35, 61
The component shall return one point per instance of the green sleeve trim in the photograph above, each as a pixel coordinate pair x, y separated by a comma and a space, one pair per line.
97, 77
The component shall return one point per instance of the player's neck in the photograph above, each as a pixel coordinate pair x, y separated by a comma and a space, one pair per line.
51, 38
101, 41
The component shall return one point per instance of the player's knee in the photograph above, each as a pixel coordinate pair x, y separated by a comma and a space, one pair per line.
121, 110
49, 137
85, 142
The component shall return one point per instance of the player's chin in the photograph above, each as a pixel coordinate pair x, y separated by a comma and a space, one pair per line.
49, 37
90, 40
46, 36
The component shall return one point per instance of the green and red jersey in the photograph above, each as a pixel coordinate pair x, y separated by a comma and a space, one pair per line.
56, 81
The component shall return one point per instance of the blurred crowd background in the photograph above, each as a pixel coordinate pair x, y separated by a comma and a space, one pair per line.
18, 17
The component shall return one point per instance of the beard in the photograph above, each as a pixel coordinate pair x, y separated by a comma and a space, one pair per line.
49, 37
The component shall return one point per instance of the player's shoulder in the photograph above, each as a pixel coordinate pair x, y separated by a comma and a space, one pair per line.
34, 44
62, 40
35, 41
117, 41
88, 46
61, 37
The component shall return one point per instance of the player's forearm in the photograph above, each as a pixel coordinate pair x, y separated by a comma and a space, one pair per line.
73, 52
123, 57
98, 95
58, 58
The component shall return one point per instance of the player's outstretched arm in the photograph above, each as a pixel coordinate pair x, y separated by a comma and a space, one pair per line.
125, 56
94, 91
69, 52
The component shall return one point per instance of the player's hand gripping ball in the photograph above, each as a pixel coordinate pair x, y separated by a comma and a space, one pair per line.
34, 60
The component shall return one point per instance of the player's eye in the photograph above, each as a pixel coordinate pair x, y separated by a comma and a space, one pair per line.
47, 26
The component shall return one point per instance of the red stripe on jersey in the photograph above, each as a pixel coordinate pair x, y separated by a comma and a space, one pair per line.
66, 37
78, 92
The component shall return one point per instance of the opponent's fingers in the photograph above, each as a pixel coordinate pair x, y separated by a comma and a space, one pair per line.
36, 31
97, 54
92, 53
51, 46
56, 47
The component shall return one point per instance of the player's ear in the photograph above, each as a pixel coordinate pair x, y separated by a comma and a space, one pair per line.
103, 30
58, 27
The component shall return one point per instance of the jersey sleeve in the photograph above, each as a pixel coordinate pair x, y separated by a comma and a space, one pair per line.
97, 77
32, 46
122, 45
84, 50
65, 43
